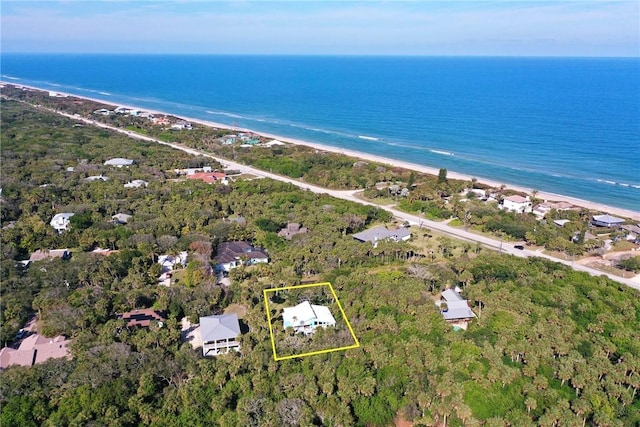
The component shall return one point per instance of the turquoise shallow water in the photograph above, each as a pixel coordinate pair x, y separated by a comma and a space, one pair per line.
564, 125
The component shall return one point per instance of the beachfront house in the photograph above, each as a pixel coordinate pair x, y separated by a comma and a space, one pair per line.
377, 234
219, 334
60, 222
544, 208
234, 254
516, 203
306, 317
607, 221
181, 125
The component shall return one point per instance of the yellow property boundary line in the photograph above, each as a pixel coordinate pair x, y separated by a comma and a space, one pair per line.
312, 353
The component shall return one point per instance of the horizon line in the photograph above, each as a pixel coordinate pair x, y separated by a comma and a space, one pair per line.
363, 55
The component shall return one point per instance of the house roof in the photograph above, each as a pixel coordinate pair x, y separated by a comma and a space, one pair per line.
381, 233
48, 253
458, 310
119, 161
122, 217
62, 216
136, 183
608, 219
230, 251
306, 312
208, 177
632, 228
34, 349
517, 199
451, 295
225, 326
303, 313
142, 317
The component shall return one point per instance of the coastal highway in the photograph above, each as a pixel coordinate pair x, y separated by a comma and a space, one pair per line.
415, 220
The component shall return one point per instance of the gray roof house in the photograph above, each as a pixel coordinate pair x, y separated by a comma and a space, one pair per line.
607, 221
118, 162
219, 334
376, 234
234, 254
456, 308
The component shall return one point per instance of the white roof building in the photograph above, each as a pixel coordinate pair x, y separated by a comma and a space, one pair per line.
517, 203
118, 162
168, 263
306, 317
61, 221
136, 183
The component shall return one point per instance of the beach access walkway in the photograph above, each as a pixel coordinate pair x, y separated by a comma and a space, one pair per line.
415, 220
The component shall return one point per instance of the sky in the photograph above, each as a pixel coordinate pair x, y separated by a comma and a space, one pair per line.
301, 27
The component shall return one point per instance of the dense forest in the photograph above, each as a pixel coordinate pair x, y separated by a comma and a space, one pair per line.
434, 197
550, 346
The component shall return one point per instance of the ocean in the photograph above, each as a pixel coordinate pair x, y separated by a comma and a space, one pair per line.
564, 125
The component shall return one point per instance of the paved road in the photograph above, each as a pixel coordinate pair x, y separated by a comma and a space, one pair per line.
507, 248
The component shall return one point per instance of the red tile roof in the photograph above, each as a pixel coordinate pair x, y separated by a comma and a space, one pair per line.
208, 177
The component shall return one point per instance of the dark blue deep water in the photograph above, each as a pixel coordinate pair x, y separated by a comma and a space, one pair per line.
564, 125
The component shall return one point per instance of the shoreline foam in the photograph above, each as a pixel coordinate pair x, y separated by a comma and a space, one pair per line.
546, 196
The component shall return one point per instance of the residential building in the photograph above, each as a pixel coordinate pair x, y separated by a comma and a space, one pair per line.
292, 229
607, 221
41, 254
118, 162
35, 349
121, 218
454, 308
209, 177
136, 183
306, 317
376, 234
168, 263
544, 208
181, 125
633, 232
96, 178
274, 142
516, 203
191, 171
234, 254
219, 334
142, 317
60, 222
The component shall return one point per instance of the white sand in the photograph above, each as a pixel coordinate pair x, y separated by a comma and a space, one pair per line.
377, 159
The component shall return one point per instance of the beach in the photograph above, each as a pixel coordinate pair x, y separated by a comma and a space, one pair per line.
542, 195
